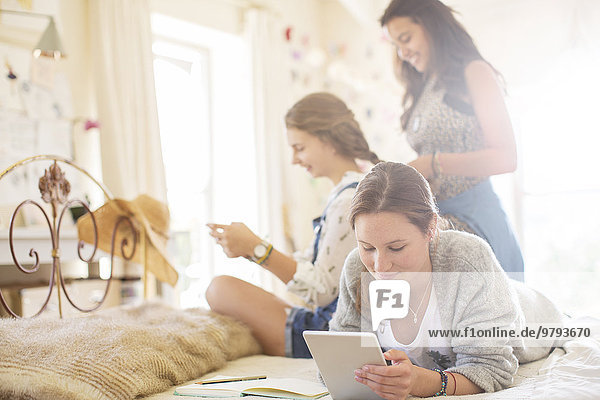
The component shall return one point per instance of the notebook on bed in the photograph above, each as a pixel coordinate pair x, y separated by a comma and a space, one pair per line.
286, 388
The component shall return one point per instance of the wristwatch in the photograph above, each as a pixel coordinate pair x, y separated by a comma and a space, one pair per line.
261, 252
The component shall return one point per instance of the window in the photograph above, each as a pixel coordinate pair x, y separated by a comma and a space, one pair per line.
561, 188
204, 102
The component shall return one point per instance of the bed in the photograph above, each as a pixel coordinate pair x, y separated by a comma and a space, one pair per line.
147, 350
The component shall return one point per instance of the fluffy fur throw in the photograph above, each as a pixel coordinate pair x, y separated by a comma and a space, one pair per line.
119, 353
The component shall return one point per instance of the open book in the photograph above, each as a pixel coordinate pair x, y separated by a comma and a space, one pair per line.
287, 388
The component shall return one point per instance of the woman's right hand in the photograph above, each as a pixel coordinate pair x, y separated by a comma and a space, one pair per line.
393, 382
236, 239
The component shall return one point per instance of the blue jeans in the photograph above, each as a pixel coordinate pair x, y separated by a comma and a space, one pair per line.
480, 208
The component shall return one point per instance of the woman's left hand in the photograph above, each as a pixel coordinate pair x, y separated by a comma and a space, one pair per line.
423, 165
393, 382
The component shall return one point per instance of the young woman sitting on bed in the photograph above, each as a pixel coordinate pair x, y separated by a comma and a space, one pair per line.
326, 140
455, 283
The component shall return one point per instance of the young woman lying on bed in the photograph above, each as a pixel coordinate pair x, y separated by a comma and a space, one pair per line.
455, 283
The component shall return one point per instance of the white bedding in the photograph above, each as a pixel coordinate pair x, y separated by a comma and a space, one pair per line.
569, 373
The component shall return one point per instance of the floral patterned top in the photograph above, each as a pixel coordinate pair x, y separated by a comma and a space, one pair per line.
447, 124
318, 283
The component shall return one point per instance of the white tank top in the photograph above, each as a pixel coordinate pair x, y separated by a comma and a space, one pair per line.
424, 351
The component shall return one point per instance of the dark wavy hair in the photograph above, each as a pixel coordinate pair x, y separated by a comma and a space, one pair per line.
452, 48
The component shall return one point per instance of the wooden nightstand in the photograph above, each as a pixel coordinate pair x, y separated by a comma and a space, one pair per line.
26, 293
37, 238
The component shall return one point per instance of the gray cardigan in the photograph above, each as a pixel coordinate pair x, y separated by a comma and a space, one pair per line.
472, 291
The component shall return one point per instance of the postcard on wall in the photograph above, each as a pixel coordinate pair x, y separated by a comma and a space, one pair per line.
54, 137
43, 71
18, 133
10, 98
39, 101
63, 102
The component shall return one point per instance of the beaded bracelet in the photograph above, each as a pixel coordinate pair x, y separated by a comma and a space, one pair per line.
444, 377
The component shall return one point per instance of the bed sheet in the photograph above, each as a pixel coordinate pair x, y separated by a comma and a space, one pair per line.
568, 373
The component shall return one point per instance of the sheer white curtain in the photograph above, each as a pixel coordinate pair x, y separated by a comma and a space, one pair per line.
121, 52
263, 31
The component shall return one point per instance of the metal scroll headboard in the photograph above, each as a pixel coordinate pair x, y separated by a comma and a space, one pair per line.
54, 189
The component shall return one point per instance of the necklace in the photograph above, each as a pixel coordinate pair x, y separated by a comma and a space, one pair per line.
421, 303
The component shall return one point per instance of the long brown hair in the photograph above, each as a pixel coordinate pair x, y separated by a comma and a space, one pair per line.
398, 188
328, 118
452, 48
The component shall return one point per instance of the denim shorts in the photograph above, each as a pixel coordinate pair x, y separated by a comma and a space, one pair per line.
303, 319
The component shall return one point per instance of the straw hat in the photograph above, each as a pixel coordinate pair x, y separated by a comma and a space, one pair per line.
149, 216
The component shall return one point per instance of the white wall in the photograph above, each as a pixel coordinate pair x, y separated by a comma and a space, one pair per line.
226, 16
71, 20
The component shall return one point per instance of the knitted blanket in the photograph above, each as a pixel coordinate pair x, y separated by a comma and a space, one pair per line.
120, 353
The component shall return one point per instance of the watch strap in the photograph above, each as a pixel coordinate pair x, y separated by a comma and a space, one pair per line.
268, 248
262, 260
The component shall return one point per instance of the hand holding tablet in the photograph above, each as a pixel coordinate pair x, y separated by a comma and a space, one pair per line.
338, 355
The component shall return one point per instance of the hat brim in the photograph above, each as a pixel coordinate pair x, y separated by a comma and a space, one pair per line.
107, 216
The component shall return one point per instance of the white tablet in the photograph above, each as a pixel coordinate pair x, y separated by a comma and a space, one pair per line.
338, 354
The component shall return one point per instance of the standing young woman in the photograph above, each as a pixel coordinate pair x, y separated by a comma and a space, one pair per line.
326, 140
455, 119
456, 285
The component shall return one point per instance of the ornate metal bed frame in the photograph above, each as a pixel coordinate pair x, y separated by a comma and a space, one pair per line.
54, 189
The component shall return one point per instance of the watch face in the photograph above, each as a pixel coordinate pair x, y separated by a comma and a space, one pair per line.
260, 251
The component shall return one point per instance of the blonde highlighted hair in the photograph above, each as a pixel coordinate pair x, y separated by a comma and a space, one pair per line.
327, 117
